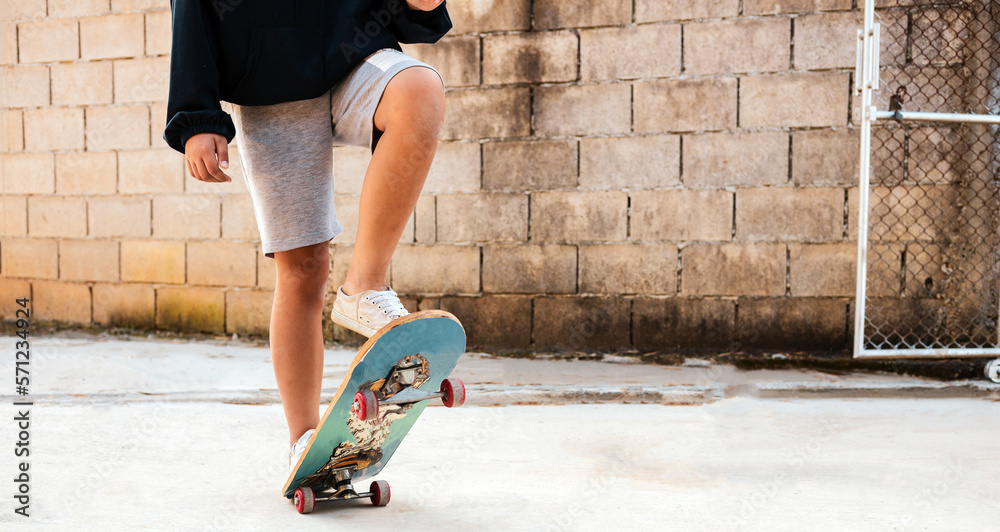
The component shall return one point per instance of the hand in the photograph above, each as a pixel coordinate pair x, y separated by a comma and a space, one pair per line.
205, 153
423, 5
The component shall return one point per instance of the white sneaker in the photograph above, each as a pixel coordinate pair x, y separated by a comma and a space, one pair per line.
297, 449
368, 311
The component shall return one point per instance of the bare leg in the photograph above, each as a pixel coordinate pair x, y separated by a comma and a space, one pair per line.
411, 113
297, 335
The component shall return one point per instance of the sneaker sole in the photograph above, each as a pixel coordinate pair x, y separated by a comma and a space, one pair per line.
353, 325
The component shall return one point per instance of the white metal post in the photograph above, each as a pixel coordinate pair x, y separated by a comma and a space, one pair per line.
865, 73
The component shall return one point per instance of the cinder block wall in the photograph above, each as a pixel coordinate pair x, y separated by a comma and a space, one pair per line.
647, 174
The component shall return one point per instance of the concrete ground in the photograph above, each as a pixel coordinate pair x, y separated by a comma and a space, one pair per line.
184, 435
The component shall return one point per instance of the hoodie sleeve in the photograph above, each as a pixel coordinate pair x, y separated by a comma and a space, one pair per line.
193, 100
412, 26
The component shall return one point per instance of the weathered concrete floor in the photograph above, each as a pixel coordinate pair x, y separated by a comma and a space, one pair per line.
106, 461
138, 370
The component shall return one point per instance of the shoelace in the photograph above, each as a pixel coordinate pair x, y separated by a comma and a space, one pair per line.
388, 301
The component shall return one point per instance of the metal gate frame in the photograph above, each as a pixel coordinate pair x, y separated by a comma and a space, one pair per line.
865, 85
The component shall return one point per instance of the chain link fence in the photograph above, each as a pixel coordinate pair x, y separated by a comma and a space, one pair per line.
933, 255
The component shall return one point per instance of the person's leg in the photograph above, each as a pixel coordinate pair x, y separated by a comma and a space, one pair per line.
410, 115
296, 333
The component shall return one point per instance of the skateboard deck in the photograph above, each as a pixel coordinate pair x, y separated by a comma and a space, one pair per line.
395, 373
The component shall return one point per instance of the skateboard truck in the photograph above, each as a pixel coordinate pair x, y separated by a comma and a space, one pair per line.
401, 387
342, 490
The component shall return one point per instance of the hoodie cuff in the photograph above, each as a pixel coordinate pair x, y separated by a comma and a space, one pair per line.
187, 124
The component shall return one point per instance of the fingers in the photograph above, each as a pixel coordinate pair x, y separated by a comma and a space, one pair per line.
214, 172
201, 172
202, 161
222, 149
197, 169
207, 170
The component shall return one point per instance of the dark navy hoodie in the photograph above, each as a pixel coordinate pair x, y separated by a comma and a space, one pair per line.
263, 52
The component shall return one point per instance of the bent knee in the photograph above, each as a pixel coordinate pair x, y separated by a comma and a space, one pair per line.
416, 93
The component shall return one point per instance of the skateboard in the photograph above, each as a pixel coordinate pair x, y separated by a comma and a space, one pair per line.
395, 373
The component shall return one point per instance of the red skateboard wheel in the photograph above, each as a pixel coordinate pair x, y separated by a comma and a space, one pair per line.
366, 405
454, 392
380, 492
304, 500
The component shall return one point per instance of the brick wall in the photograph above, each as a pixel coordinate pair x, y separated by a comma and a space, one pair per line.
646, 174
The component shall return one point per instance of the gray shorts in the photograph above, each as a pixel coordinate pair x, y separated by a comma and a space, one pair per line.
286, 151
